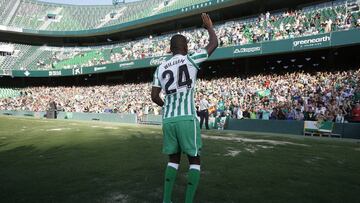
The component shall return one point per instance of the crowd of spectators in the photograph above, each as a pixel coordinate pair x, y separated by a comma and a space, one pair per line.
125, 98
265, 27
292, 96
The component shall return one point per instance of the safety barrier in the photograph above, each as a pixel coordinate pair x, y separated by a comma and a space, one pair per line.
346, 130
106, 117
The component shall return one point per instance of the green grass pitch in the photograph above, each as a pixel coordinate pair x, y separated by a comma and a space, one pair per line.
69, 161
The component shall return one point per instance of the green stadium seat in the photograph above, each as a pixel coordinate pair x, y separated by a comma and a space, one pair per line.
8, 93
34, 14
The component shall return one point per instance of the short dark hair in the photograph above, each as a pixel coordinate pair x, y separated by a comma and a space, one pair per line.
178, 42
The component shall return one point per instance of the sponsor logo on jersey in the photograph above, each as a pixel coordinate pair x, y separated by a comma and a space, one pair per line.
311, 42
247, 50
157, 61
55, 73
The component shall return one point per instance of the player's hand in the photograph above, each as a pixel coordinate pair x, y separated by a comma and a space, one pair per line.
207, 22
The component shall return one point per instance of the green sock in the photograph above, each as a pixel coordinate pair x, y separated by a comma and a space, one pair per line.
193, 182
170, 176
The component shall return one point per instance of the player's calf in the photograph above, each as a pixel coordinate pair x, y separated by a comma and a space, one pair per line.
170, 176
193, 178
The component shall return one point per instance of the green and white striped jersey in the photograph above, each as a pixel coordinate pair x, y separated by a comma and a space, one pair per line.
177, 78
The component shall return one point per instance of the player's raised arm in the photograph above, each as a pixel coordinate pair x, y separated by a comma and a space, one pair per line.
213, 40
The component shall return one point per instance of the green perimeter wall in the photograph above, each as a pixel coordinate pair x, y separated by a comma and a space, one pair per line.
347, 130
334, 39
106, 117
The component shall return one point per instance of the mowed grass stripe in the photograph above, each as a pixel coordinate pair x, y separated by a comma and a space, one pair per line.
70, 161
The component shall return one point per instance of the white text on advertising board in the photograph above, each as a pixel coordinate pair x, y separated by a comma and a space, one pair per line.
100, 68
6, 72
311, 42
247, 50
55, 73
157, 61
77, 71
126, 64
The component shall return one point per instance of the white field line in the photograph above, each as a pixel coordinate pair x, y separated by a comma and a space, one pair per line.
233, 153
58, 129
251, 150
118, 197
109, 127
264, 146
240, 139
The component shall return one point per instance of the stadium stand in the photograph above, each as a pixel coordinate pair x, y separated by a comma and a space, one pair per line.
39, 15
300, 95
176, 4
291, 96
322, 18
8, 93
75, 102
134, 11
